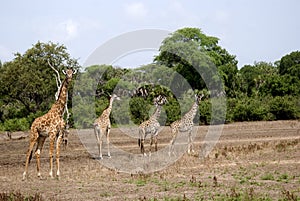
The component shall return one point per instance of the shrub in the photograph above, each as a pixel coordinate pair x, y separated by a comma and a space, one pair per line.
284, 108
21, 124
250, 109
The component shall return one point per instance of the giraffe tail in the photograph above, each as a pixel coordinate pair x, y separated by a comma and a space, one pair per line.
139, 142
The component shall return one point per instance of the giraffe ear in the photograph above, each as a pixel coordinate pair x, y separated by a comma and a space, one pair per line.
75, 71
64, 72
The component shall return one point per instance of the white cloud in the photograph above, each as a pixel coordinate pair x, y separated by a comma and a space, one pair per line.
65, 30
55, 30
68, 28
136, 10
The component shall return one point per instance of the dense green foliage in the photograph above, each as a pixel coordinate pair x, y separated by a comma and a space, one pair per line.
28, 84
188, 61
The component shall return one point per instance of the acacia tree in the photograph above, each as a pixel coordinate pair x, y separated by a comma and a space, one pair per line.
28, 83
188, 48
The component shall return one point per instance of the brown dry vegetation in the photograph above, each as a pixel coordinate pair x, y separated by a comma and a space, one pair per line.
251, 161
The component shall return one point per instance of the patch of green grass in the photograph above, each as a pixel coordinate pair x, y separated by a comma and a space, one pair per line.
161, 183
283, 178
242, 195
242, 176
140, 182
267, 176
179, 184
183, 198
105, 194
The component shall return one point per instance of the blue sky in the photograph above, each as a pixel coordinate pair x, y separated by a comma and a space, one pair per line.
252, 30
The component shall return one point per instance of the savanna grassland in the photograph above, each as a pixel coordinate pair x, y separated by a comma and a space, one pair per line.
251, 161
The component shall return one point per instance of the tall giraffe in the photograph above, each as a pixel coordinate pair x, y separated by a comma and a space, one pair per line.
185, 124
151, 126
49, 125
102, 126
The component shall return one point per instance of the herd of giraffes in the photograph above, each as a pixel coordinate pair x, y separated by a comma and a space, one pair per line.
52, 125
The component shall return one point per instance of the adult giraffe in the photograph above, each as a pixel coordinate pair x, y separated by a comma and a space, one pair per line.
151, 126
102, 126
185, 124
49, 125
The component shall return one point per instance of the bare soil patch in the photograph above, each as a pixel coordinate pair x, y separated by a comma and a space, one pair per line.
251, 160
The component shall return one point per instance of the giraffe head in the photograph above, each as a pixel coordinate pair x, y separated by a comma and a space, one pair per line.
115, 97
69, 74
198, 97
160, 100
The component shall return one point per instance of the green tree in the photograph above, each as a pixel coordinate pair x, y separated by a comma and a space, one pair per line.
254, 79
285, 107
28, 83
191, 53
290, 64
92, 93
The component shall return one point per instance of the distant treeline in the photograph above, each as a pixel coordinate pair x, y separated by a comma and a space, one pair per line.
188, 62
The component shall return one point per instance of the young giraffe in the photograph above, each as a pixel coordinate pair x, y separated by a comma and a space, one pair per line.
49, 125
102, 126
185, 124
151, 126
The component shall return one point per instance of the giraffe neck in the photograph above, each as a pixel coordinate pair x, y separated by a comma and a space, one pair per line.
156, 114
108, 109
193, 111
60, 103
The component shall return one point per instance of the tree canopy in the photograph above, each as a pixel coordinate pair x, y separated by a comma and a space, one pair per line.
188, 62
28, 82
193, 54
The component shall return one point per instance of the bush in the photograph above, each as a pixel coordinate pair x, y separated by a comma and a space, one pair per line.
21, 124
139, 109
285, 108
250, 109
205, 112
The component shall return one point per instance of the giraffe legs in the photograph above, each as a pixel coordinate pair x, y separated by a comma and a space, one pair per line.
58, 143
142, 141
153, 139
190, 143
151, 142
99, 133
171, 148
38, 151
107, 141
29, 152
40, 140
100, 147
155, 142
99, 139
51, 149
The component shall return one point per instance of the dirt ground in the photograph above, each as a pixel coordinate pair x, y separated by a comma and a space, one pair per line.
251, 160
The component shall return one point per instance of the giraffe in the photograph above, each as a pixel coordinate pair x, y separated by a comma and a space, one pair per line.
49, 125
185, 124
102, 126
151, 126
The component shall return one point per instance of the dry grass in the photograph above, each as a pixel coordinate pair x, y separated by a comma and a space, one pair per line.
252, 161
17, 196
